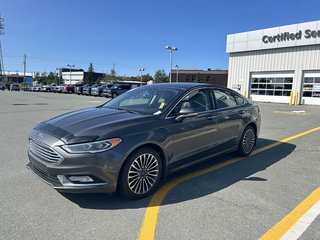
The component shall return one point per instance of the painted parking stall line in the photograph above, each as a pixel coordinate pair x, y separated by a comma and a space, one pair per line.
149, 223
303, 223
293, 225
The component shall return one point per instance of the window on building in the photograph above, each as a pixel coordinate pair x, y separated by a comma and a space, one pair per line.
311, 87
271, 86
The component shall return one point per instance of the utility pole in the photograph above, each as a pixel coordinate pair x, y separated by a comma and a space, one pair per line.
24, 68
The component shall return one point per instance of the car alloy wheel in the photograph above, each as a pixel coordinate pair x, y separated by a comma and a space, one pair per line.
248, 141
141, 174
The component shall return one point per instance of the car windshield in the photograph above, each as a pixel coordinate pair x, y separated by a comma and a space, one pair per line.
145, 100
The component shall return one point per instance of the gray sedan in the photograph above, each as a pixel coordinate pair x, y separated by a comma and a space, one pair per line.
134, 141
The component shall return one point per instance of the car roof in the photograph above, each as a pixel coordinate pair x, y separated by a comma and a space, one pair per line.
183, 85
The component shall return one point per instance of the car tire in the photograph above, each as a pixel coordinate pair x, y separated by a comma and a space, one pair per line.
100, 94
114, 95
70, 91
3, 88
141, 174
247, 142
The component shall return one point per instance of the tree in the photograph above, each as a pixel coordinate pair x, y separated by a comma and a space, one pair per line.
113, 72
146, 78
89, 78
160, 76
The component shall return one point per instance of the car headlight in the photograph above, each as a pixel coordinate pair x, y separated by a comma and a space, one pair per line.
92, 147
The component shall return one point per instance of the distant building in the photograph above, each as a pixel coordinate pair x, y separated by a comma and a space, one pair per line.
216, 77
76, 75
17, 77
71, 77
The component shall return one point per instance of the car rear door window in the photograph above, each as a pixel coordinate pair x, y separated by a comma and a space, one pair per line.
224, 99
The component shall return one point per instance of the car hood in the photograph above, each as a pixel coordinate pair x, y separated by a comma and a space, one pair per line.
90, 124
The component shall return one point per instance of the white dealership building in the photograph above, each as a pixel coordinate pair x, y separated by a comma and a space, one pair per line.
280, 64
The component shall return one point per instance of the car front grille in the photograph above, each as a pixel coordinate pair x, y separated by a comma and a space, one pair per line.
43, 151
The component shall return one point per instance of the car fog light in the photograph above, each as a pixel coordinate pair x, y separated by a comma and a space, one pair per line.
82, 179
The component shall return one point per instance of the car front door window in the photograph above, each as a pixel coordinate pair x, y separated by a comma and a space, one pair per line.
198, 101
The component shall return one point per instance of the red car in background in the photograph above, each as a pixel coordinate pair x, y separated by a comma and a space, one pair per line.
70, 88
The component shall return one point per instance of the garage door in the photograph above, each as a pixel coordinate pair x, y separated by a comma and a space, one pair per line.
311, 88
271, 86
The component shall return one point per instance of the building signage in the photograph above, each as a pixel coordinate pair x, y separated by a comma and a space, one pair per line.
287, 36
294, 35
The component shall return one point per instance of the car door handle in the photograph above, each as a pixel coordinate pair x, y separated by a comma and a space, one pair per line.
241, 112
226, 117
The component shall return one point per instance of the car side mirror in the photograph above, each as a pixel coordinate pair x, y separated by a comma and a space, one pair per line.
186, 113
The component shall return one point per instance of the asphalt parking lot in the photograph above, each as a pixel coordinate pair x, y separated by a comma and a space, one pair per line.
242, 200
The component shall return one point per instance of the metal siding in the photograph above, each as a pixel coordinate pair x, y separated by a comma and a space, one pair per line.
295, 59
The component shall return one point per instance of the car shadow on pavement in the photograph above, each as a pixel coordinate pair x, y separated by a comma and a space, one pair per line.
200, 186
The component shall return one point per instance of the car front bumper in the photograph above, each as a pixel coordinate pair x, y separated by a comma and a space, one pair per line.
103, 168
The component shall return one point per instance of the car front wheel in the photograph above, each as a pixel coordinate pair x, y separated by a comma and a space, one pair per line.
141, 174
247, 141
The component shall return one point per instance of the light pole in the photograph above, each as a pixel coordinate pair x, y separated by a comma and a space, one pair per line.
171, 49
141, 70
71, 66
58, 75
177, 79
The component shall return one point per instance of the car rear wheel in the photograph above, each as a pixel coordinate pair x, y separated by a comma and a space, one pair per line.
114, 95
141, 174
247, 141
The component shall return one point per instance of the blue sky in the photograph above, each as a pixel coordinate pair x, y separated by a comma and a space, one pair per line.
133, 33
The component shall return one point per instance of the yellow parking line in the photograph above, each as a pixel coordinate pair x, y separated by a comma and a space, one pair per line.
278, 230
148, 228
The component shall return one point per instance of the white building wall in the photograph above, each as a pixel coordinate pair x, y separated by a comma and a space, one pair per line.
76, 77
297, 59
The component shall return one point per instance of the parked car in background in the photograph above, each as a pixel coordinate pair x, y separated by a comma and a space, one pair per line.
133, 141
97, 91
116, 90
48, 88
70, 88
87, 90
14, 87
2, 86
37, 88
79, 88
59, 88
